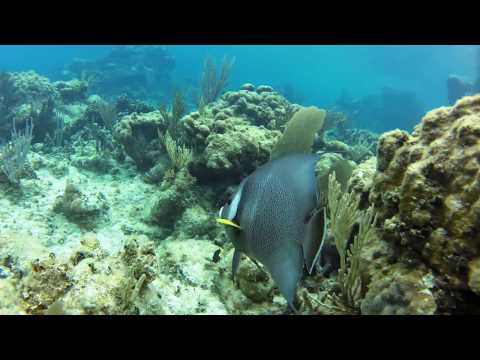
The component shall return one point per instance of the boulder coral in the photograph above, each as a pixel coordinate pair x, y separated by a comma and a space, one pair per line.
32, 87
261, 106
234, 149
30, 97
427, 192
138, 135
71, 91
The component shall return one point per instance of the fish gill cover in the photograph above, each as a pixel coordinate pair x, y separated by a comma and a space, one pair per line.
113, 169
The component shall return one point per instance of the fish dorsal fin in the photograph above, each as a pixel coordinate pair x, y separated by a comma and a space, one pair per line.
314, 238
300, 132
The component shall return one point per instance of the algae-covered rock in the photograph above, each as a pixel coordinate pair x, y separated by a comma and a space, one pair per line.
171, 201
109, 284
84, 210
27, 97
234, 135
361, 181
427, 189
47, 281
196, 222
139, 137
393, 281
89, 155
255, 283
474, 276
263, 107
197, 128
71, 91
400, 296
234, 149
255, 293
90, 281
32, 87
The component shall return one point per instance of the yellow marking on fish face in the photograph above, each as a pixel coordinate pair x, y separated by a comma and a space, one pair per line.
228, 222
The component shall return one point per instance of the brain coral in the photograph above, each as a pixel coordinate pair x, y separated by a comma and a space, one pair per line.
427, 190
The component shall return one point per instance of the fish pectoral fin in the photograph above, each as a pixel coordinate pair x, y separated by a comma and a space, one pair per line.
314, 238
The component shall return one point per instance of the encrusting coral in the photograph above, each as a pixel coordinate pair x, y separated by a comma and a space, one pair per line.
426, 192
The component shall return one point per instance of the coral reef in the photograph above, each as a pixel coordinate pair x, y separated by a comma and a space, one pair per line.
394, 293
118, 199
26, 96
234, 148
258, 106
174, 197
426, 192
71, 91
31, 87
138, 135
137, 71
227, 136
361, 180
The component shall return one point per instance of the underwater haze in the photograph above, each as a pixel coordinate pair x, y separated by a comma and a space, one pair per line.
239, 179
318, 75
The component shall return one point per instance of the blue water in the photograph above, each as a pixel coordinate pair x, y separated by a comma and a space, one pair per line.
319, 74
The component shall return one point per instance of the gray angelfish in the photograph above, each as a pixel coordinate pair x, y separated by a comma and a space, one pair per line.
274, 216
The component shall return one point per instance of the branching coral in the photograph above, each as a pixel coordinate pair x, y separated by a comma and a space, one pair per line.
344, 214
